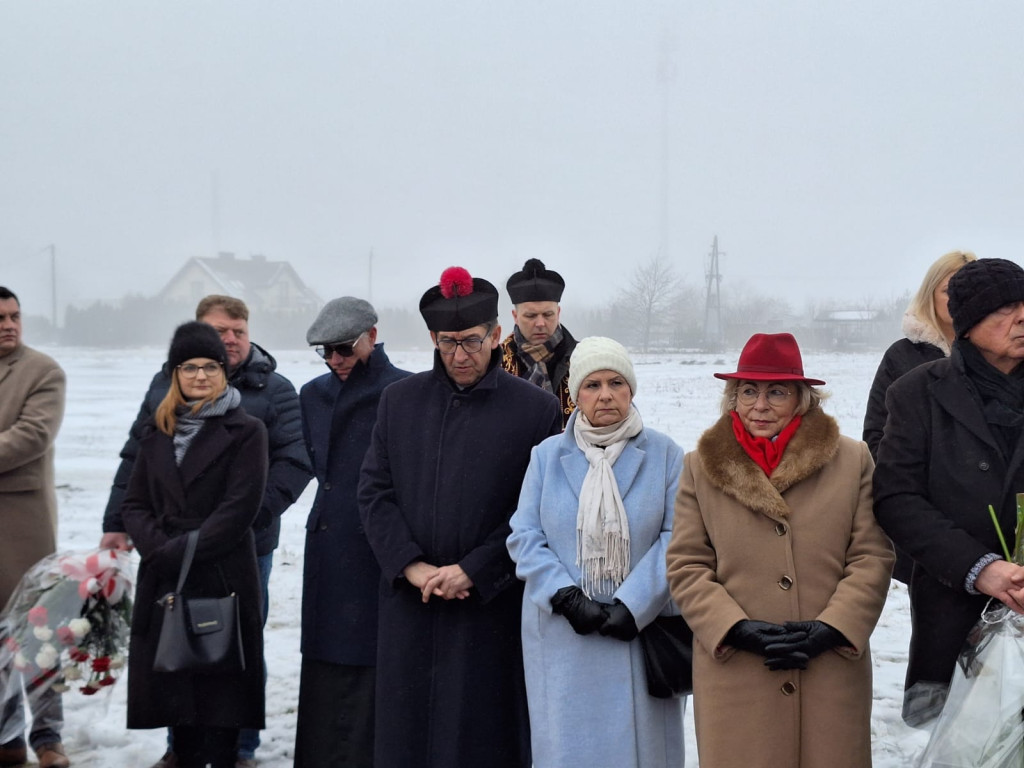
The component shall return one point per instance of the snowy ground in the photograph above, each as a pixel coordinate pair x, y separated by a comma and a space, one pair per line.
676, 394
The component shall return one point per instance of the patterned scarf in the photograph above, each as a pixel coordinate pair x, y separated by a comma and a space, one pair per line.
536, 356
188, 424
602, 530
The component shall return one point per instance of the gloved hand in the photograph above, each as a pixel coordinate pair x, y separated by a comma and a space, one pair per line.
818, 638
619, 623
585, 615
755, 636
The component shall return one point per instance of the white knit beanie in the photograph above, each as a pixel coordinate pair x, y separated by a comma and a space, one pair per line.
599, 353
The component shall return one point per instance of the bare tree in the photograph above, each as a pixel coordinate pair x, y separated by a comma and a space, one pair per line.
652, 291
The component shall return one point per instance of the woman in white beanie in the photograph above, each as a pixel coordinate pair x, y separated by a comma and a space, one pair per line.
589, 539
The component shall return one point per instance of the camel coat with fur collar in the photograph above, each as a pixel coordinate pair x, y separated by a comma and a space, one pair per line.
800, 545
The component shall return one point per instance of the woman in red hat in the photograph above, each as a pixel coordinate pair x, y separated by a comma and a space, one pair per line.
781, 571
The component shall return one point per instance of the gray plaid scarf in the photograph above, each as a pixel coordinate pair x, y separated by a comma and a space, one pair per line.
188, 424
536, 357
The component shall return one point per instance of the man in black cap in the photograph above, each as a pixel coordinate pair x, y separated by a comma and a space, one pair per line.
952, 446
340, 575
539, 347
438, 486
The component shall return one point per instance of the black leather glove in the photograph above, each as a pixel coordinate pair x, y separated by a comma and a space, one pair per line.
619, 623
585, 615
818, 637
755, 636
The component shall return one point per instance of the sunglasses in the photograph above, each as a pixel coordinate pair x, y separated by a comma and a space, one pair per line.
343, 349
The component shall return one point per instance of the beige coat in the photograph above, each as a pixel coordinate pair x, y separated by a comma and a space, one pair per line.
801, 545
31, 410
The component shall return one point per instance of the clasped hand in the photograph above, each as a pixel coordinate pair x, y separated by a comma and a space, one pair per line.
785, 646
448, 581
586, 615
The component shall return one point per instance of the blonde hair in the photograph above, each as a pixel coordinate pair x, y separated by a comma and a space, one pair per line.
166, 414
923, 303
809, 397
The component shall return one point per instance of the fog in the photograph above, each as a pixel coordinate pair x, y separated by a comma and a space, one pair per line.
835, 149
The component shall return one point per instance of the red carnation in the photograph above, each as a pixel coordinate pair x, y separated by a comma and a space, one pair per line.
88, 690
11, 645
38, 616
65, 635
101, 664
77, 654
108, 680
456, 281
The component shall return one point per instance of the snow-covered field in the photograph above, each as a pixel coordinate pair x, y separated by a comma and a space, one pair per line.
676, 394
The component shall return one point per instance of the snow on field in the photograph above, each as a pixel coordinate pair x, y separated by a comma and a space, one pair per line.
676, 394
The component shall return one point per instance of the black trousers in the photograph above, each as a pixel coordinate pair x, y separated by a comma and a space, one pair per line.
334, 727
197, 746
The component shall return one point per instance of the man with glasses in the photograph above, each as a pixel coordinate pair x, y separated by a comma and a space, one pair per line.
539, 347
438, 486
341, 578
31, 411
272, 399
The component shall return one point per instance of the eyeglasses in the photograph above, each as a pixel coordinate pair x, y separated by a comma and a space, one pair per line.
344, 349
775, 395
471, 346
191, 370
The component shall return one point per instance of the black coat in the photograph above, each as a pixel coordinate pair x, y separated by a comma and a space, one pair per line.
340, 578
903, 356
939, 467
439, 484
217, 489
558, 368
268, 396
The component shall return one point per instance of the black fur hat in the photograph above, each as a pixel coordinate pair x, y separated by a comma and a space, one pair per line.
194, 339
981, 287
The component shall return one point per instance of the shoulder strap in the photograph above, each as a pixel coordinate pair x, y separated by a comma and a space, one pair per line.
186, 562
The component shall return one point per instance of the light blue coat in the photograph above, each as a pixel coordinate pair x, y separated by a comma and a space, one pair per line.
587, 694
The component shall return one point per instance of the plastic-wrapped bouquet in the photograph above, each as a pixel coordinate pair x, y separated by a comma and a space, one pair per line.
66, 626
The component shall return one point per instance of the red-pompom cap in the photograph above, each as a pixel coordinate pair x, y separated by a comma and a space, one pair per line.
456, 281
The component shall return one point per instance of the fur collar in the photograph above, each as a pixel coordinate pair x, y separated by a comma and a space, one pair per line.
733, 472
918, 331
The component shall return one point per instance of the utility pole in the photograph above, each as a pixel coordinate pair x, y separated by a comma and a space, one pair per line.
53, 286
369, 277
713, 301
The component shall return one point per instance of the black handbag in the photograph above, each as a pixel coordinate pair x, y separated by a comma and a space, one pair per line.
198, 633
667, 643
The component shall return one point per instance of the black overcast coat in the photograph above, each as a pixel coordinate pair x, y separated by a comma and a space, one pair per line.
266, 395
938, 469
340, 577
439, 483
217, 489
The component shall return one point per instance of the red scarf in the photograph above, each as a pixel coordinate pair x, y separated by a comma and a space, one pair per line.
766, 452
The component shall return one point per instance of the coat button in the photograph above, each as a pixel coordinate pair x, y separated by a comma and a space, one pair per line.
788, 688
327, 486
323, 526
780, 529
785, 582
983, 466
455, 404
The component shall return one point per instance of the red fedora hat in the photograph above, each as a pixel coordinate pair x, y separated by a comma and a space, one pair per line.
770, 357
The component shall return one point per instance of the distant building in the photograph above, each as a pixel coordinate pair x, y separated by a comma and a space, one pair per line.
266, 286
850, 328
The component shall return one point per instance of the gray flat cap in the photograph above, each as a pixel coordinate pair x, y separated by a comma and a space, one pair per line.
341, 320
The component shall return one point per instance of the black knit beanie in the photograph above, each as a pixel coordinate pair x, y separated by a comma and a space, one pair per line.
195, 339
981, 287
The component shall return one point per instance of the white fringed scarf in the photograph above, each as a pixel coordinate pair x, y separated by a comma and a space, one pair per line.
602, 531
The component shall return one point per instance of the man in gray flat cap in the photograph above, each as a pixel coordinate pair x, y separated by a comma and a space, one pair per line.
341, 577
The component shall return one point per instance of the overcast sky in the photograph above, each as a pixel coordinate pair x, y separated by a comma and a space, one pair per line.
835, 148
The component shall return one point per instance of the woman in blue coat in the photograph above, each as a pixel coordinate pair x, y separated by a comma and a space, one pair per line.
589, 539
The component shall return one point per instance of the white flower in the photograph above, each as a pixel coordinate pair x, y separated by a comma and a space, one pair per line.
20, 661
116, 661
79, 627
42, 633
71, 672
60, 688
47, 656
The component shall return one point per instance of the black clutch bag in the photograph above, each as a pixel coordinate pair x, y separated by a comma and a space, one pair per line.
198, 633
667, 643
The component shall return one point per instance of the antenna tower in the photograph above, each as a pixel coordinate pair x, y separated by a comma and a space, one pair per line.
713, 300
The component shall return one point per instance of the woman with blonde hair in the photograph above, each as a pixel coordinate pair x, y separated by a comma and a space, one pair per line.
202, 466
928, 332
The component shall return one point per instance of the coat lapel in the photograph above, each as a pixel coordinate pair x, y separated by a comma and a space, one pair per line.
627, 466
950, 398
213, 441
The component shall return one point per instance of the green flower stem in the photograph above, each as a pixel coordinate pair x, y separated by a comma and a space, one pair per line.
999, 531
